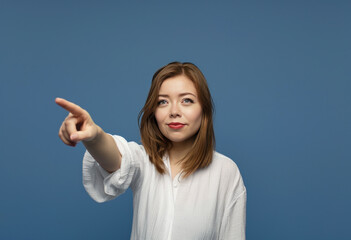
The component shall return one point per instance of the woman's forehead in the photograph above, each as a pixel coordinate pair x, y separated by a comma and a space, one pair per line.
177, 85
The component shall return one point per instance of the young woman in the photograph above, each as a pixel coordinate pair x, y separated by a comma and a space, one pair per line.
182, 188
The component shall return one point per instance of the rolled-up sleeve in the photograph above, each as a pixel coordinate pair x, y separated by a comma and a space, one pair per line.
103, 186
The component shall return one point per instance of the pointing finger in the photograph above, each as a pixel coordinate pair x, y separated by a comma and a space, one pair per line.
69, 106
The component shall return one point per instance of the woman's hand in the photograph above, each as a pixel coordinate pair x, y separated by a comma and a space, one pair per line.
78, 125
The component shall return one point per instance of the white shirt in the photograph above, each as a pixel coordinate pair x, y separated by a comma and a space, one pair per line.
209, 204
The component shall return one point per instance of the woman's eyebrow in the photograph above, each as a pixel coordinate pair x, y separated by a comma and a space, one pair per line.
180, 95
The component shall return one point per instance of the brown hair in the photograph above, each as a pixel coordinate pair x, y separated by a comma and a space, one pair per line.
155, 144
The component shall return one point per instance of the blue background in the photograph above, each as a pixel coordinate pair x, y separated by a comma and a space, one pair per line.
279, 73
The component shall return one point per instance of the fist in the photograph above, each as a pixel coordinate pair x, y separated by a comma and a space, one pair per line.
77, 126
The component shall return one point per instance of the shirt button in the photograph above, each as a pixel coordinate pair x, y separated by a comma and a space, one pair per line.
175, 185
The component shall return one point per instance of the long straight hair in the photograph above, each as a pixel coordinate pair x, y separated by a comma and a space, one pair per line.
156, 144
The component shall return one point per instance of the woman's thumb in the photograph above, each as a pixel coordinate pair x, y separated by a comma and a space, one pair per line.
75, 137
80, 136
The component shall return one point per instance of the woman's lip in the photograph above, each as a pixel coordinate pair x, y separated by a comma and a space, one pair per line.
176, 125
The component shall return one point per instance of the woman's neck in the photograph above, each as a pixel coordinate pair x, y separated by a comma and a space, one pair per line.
179, 150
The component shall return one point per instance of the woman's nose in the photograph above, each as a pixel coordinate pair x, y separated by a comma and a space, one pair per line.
174, 111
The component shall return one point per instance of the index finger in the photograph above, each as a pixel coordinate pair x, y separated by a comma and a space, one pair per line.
69, 106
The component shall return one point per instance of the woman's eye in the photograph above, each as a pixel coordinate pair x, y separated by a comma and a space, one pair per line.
188, 100
161, 102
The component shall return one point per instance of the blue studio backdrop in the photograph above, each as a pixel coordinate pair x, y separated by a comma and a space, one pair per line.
279, 73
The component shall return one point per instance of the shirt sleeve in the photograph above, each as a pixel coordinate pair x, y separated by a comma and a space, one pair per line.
104, 186
234, 220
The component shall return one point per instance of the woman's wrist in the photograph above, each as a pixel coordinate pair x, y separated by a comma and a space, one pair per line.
95, 139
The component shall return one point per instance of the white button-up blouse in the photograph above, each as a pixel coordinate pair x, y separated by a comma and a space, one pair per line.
209, 204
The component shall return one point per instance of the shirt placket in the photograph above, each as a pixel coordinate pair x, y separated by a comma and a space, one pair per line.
173, 192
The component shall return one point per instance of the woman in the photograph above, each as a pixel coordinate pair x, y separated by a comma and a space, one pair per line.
182, 188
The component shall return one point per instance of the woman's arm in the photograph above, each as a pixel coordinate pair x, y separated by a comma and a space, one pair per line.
234, 221
79, 126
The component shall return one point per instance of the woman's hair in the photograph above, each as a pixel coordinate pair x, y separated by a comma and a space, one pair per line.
155, 144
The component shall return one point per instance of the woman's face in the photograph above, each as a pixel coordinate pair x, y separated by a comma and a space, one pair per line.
178, 113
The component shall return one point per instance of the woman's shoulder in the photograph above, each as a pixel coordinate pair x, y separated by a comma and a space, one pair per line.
229, 173
220, 160
226, 167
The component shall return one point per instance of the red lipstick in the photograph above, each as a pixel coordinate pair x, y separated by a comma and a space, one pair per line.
176, 125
